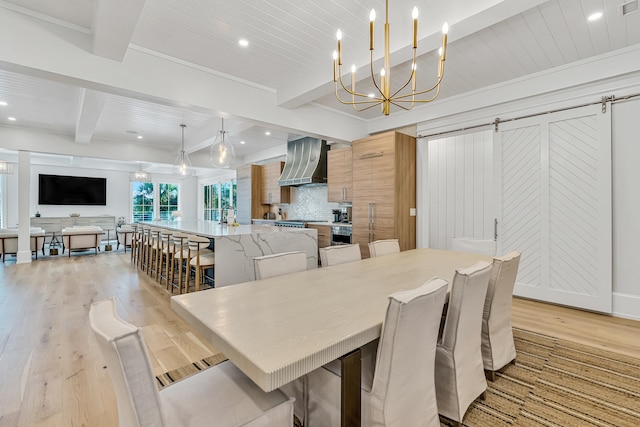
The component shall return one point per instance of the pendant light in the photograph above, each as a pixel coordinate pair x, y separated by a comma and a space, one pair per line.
6, 168
182, 166
140, 175
222, 153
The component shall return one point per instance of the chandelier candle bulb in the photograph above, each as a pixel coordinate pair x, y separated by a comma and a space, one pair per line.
445, 30
413, 77
372, 17
339, 37
414, 15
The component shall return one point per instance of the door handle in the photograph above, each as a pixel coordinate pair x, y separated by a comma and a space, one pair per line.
369, 216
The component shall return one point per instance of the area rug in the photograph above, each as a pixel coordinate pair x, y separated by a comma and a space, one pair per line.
554, 383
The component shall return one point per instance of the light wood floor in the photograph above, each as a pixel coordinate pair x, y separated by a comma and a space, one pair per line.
51, 369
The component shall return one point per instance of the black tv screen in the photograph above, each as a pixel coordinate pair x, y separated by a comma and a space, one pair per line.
72, 190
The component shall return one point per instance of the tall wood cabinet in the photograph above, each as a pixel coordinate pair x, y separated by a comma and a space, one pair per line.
272, 193
384, 190
248, 181
340, 175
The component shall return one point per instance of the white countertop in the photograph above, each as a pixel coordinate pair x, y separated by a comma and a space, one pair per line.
214, 229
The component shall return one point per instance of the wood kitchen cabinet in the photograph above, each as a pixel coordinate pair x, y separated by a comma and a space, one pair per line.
340, 175
272, 193
324, 235
248, 192
384, 190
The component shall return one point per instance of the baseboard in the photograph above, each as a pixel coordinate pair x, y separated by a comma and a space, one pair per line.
626, 305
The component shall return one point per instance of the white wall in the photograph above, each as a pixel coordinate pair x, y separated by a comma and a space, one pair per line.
118, 194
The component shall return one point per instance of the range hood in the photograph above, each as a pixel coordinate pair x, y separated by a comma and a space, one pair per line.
306, 162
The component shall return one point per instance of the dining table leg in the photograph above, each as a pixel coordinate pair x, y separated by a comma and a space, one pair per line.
350, 405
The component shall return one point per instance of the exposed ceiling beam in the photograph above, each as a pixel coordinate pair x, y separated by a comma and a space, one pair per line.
156, 78
91, 106
114, 22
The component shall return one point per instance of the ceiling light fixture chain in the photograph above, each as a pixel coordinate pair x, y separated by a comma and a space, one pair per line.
182, 166
222, 153
385, 97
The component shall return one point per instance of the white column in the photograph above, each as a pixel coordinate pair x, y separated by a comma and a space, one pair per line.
24, 216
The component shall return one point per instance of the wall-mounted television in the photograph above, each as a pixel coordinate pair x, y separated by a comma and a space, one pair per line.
71, 190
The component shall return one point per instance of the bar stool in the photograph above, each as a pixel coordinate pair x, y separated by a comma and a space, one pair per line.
134, 241
152, 250
200, 257
179, 252
143, 237
165, 256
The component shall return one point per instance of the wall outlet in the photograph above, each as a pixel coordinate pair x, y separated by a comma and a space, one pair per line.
412, 211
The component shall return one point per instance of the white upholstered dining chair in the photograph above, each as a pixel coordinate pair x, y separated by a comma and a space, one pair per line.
476, 246
398, 373
459, 369
384, 247
221, 395
339, 254
498, 348
279, 264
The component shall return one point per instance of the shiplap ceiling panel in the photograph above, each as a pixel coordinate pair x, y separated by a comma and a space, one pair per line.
292, 39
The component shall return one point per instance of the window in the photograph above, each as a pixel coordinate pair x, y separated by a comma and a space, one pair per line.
142, 202
211, 211
218, 198
168, 200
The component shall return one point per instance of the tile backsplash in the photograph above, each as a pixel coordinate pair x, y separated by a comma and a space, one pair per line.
308, 202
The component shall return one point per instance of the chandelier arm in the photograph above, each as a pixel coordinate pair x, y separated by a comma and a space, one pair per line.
419, 100
401, 106
413, 72
374, 101
435, 86
346, 89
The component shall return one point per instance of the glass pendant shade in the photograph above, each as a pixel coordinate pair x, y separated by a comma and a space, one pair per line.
140, 176
222, 153
182, 166
6, 168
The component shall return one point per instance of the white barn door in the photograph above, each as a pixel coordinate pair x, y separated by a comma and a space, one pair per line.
459, 186
553, 194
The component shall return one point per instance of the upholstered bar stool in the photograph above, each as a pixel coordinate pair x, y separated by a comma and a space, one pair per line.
178, 256
142, 245
134, 243
153, 243
200, 258
165, 256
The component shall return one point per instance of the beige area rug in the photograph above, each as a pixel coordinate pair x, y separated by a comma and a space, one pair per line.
554, 383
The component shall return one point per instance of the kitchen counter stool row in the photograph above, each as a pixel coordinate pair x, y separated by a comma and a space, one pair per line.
171, 257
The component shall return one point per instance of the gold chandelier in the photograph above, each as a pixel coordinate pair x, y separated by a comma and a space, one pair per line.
400, 98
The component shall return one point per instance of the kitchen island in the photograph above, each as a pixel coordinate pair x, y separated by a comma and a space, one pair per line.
235, 247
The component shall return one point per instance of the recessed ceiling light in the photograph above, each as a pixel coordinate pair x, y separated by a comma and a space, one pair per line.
243, 42
242, 142
3, 103
11, 119
595, 16
267, 133
139, 136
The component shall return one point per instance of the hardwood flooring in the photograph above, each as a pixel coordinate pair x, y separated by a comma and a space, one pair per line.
52, 371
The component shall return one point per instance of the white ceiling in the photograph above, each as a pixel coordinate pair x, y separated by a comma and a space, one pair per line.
102, 72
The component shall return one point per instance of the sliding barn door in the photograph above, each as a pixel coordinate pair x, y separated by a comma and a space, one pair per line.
553, 188
459, 184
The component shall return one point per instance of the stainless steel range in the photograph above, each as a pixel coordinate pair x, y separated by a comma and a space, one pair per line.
295, 223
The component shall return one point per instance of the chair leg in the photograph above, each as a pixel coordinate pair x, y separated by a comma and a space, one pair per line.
483, 396
490, 375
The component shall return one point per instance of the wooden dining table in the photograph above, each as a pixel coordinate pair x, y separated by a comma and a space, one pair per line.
278, 329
